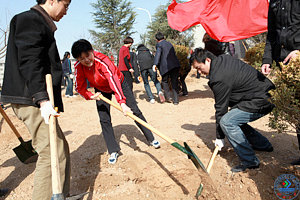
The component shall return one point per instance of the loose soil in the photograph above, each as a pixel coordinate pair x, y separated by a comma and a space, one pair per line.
143, 172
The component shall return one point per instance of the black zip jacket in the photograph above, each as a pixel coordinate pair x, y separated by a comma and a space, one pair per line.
144, 58
236, 84
31, 54
283, 30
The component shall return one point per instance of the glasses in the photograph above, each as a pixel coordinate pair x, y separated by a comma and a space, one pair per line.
66, 5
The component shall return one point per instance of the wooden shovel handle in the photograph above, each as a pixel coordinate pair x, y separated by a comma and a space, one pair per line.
10, 123
142, 122
56, 182
211, 161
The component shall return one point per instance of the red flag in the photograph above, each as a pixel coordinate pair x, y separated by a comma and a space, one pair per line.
223, 20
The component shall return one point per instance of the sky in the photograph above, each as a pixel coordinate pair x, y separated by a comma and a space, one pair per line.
78, 21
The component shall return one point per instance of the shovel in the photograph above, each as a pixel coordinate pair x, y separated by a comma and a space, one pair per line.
56, 182
186, 149
24, 151
211, 161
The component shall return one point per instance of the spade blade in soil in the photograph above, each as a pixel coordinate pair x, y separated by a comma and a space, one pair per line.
194, 158
25, 152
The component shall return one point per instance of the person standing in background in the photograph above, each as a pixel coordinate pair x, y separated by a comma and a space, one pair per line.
133, 61
67, 70
145, 61
124, 61
167, 63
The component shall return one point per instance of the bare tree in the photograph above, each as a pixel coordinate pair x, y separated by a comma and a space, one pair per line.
3, 42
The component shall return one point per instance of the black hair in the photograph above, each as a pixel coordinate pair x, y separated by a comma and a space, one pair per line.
200, 55
44, 1
140, 45
128, 40
66, 56
159, 36
81, 46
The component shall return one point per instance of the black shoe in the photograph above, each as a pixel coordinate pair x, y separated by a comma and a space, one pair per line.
268, 149
296, 162
169, 100
241, 168
176, 103
3, 192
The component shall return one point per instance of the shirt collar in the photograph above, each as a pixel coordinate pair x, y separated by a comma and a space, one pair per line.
46, 16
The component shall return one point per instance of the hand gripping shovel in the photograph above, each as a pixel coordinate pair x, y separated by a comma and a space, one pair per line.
56, 182
24, 151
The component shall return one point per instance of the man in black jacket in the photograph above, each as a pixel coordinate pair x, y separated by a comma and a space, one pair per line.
168, 64
283, 39
133, 61
145, 61
31, 54
242, 88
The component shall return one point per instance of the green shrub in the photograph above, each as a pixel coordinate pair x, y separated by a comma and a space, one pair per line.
254, 55
286, 96
182, 53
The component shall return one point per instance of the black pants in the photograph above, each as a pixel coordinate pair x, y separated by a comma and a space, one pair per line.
128, 78
105, 118
183, 84
173, 75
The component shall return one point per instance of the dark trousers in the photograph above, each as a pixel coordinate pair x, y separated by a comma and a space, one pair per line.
183, 85
128, 78
105, 118
69, 90
173, 75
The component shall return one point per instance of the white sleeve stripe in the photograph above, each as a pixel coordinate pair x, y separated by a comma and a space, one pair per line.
111, 77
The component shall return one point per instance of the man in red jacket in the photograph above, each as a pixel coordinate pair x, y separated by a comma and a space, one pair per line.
124, 61
107, 79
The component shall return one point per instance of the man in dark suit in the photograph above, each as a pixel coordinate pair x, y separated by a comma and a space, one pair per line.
168, 64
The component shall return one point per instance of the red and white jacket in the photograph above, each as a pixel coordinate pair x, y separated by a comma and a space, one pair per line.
103, 75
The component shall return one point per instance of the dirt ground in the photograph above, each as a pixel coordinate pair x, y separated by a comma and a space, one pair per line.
143, 172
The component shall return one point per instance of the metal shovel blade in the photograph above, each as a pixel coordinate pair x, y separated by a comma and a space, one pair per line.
194, 158
26, 153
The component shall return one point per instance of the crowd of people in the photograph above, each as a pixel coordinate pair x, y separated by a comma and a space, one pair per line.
241, 92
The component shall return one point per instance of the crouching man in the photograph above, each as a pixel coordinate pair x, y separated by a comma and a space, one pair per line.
242, 88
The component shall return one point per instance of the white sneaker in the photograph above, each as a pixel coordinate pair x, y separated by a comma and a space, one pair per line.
113, 158
152, 101
67, 95
155, 144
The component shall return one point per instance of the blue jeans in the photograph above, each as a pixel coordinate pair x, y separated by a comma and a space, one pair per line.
69, 90
242, 136
153, 75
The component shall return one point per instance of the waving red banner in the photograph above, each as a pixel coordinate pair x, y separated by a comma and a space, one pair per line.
223, 20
